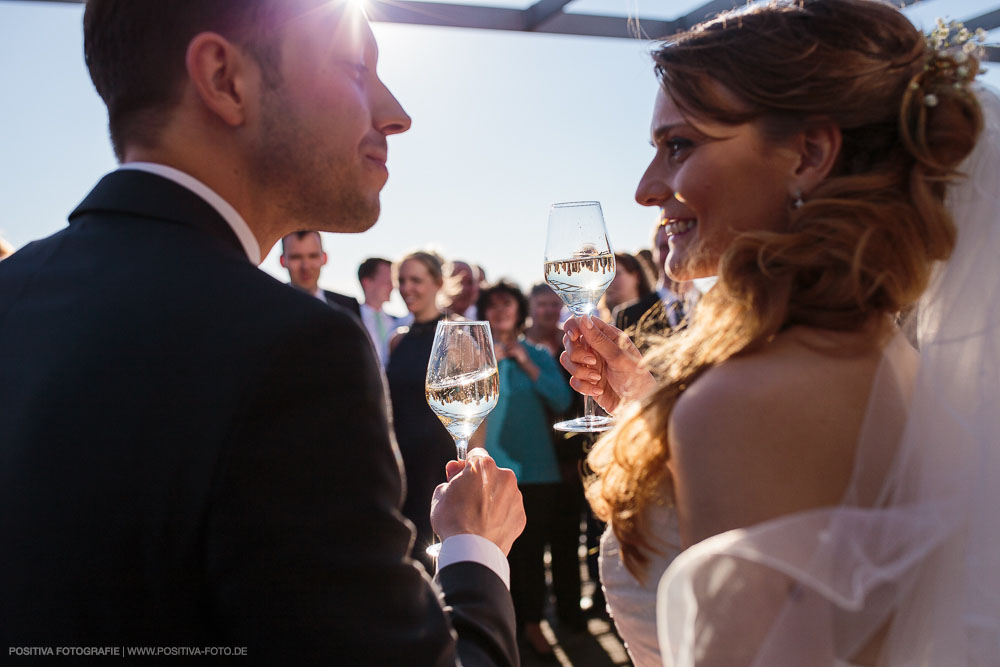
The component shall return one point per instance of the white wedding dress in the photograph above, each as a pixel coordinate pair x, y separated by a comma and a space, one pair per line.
633, 603
906, 571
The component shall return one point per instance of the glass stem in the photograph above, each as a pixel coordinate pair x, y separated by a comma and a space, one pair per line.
588, 408
463, 445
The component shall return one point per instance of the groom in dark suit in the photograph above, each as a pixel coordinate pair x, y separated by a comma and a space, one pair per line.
191, 453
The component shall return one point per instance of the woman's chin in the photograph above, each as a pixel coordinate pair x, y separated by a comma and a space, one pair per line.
685, 268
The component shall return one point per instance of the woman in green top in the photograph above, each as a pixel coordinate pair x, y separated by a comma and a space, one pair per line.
518, 437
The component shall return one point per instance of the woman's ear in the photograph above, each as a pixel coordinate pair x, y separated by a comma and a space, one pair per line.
817, 148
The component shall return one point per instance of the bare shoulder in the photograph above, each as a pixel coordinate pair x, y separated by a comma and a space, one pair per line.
770, 432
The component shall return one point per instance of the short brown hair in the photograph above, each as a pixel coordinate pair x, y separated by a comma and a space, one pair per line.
299, 235
135, 53
370, 267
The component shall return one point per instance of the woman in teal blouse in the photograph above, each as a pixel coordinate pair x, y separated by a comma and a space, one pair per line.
518, 436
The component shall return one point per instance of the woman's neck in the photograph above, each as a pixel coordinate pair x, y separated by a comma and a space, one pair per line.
551, 338
506, 337
427, 315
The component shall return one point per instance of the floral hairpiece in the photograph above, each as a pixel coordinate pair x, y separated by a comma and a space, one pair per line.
950, 49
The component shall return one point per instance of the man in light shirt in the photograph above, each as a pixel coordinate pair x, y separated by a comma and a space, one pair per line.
194, 454
375, 276
303, 256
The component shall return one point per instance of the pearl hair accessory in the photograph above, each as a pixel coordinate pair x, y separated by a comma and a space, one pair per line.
952, 60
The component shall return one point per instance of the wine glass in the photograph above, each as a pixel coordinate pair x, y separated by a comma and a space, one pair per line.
462, 384
579, 266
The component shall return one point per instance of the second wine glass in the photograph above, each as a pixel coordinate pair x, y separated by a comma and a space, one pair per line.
579, 266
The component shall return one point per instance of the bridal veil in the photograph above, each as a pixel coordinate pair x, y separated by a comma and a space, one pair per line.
906, 571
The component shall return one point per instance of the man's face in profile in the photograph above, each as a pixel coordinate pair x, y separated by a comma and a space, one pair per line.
380, 284
322, 133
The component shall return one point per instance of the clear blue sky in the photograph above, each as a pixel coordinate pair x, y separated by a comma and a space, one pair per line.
504, 124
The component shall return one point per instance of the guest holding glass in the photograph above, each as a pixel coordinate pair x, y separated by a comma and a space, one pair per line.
518, 436
423, 441
545, 331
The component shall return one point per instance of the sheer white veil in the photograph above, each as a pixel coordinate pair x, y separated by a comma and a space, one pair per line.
906, 571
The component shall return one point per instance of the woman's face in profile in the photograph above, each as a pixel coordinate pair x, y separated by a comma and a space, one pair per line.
710, 182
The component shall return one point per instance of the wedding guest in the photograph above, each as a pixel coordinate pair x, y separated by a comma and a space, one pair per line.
302, 254
805, 152
193, 454
463, 280
424, 443
645, 257
660, 311
6, 249
375, 276
569, 507
518, 435
629, 284
545, 329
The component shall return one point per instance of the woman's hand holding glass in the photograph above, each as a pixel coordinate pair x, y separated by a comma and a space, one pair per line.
604, 363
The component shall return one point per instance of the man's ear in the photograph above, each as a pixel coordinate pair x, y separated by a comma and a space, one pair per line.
220, 73
818, 148
323, 263
281, 258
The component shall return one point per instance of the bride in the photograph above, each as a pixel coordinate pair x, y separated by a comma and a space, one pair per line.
828, 482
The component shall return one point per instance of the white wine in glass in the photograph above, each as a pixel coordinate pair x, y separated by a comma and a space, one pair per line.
579, 266
462, 384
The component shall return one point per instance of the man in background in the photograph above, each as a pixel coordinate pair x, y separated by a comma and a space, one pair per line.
302, 254
375, 276
465, 281
193, 454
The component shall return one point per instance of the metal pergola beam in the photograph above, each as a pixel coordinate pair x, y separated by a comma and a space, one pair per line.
542, 11
548, 16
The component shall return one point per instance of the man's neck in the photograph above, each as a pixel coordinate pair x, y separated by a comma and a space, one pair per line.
377, 307
226, 176
314, 289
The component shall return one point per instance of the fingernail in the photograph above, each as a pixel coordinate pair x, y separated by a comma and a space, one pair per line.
587, 322
593, 377
598, 391
590, 360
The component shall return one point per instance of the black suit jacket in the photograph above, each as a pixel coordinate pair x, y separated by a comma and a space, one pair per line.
186, 460
645, 320
348, 303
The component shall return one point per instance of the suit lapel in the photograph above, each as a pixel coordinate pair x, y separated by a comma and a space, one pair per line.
144, 195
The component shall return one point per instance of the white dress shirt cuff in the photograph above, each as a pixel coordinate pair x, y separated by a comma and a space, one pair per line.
475, 548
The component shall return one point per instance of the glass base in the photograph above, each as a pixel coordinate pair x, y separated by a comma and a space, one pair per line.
595, 424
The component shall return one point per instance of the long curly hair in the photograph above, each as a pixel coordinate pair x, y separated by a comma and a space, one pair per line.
862, 245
